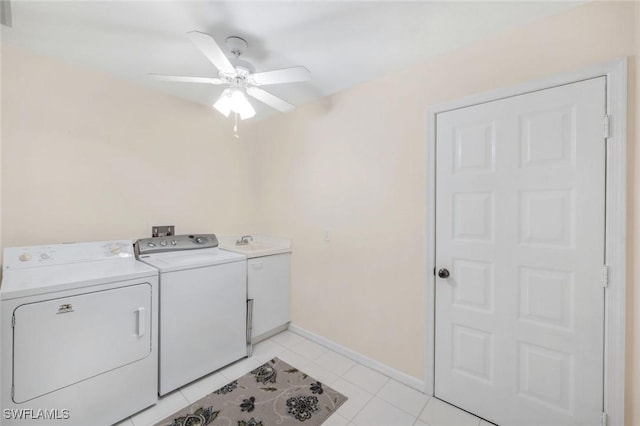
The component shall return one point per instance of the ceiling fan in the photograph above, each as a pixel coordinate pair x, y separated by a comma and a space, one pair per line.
240, 77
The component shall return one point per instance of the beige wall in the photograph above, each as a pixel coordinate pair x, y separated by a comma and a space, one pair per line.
633, 302
354, 164
88, 157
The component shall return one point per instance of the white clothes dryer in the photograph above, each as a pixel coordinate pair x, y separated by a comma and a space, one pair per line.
203, 306
79, 334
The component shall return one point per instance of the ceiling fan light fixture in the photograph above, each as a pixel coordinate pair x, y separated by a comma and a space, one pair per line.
223, 104
239, 77
234, 99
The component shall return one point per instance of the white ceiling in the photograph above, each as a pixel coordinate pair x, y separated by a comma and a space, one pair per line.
342, 43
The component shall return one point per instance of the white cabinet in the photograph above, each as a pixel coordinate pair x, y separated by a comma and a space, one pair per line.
268, 280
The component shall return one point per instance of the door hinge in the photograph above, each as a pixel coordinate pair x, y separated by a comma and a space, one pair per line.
604, 419
605, 276
607, 126
13, 321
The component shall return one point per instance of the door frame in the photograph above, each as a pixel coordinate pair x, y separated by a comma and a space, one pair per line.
615, 219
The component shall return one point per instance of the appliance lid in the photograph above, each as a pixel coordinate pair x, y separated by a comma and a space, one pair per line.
188, 259
34, 270
34, 281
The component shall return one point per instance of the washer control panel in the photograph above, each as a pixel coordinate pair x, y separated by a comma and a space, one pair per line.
152, 245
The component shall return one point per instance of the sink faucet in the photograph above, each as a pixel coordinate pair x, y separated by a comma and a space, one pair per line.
244, 240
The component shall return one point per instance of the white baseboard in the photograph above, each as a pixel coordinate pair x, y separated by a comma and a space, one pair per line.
360, 358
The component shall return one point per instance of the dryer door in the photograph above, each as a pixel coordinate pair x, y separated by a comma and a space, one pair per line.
59, 342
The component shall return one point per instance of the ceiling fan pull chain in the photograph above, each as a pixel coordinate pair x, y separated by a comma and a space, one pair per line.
235, 127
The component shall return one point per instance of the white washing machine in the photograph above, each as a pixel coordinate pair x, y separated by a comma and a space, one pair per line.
203, 306
79, 334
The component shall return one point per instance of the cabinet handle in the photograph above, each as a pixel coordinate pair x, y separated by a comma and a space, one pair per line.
140, 321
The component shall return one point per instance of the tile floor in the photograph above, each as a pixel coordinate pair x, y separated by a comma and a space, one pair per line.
374, 399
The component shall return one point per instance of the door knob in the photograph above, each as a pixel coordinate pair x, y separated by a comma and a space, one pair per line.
443, 273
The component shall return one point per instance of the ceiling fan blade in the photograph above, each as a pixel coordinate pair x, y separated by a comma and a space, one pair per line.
185, 79
211, 50
286, 75
269, 99
5, 13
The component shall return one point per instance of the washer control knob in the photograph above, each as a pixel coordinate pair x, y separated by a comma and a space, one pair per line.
199, 240
44, 256
115, 249
24, 257
174, 242
163, 243
151, 244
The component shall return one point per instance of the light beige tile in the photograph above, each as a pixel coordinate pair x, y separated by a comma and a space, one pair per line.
403, 397
294, 359
319, 373
166, 406
240, 368
335, 420
438, 413
366, 378
380, 413
266, 350
287, 339
204, 386
357, 398
334, 362
309, 349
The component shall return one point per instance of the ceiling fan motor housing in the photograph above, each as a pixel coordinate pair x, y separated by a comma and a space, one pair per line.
236, 45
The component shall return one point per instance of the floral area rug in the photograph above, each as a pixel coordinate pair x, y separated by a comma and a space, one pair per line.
273, 394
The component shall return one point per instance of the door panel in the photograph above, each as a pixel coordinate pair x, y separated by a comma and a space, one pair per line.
203, 315
60, 342
520, 226
269, 287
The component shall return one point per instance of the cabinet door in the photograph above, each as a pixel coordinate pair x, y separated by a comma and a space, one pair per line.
269, 286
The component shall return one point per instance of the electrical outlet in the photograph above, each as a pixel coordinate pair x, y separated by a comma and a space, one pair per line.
327, 235
163, 231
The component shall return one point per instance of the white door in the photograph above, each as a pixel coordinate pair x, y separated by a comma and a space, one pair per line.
520, 203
